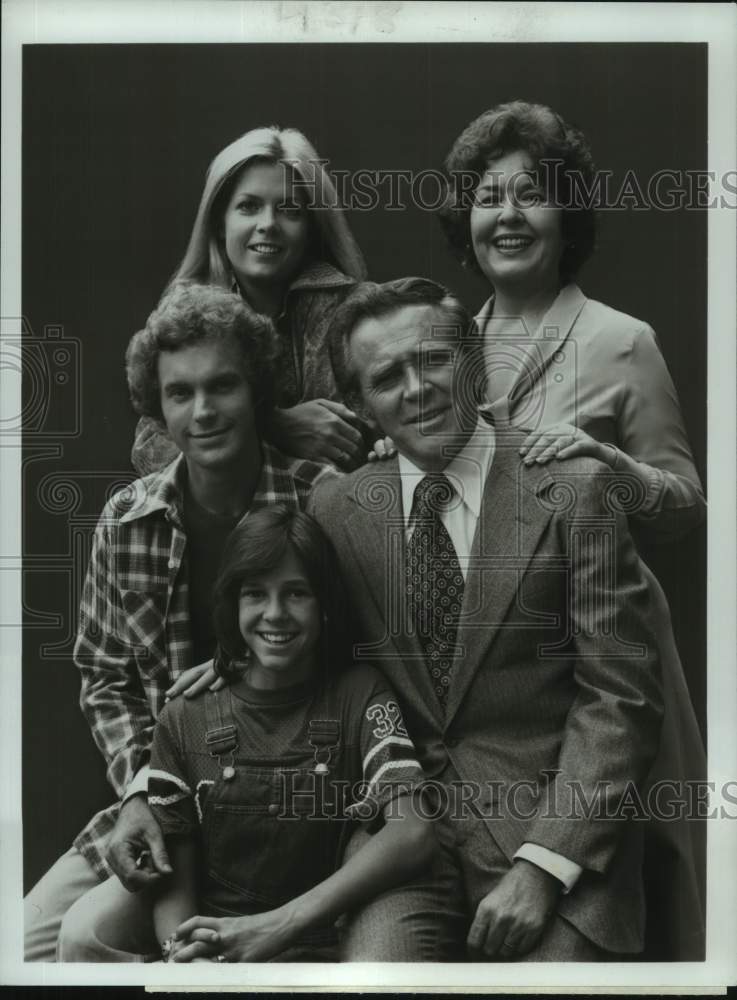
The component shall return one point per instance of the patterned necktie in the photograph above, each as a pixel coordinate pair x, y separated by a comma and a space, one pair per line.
434, 582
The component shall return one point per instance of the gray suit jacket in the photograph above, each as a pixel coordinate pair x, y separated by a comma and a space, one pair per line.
555, 698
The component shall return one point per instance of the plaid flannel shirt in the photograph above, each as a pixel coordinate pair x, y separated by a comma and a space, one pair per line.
134, 637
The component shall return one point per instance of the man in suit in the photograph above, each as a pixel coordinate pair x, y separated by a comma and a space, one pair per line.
506, 606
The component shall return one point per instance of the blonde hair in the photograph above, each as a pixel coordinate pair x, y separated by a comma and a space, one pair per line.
205, 259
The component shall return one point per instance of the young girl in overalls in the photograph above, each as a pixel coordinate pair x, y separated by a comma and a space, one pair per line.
257, 786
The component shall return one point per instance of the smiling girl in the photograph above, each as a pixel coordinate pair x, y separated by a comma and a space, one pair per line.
256, 786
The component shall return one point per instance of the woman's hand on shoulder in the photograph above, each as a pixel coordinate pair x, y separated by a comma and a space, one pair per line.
383, 448
563, 441
322, 430
153, 449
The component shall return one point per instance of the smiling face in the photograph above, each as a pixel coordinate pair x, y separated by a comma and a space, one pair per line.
516, 235
405, 376
207, 404
279, 619
265, 228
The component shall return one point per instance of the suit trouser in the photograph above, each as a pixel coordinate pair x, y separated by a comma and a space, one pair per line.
429, 919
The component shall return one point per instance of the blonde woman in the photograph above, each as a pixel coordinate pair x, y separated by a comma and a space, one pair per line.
269, 225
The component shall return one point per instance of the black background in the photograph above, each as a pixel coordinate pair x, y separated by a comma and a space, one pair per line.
116, 141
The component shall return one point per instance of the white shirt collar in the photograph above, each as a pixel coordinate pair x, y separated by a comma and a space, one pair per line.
467, 471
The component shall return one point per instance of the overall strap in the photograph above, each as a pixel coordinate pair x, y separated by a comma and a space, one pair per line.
221, 736
323, 734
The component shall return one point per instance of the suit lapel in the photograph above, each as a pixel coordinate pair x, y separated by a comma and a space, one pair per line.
375, 533
510, 524
515, 363
548, 340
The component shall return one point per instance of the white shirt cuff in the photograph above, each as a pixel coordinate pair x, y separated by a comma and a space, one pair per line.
138, 784
567, 872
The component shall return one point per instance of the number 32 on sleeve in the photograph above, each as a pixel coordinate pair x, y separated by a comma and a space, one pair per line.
388, 719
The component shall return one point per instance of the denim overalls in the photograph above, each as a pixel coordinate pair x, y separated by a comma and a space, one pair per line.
273, 827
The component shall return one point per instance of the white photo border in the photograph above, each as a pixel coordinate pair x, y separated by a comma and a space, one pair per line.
231, 21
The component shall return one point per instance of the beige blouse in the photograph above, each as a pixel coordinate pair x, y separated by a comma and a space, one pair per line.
602, 371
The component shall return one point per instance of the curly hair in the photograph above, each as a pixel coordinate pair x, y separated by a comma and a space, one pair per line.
256, 546
370, 300
555, 146
189, 314
205, 259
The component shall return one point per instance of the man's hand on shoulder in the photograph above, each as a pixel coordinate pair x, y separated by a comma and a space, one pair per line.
195, 680
510, 920
136, 850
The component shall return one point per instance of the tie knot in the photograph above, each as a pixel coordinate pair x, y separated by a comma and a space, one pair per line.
432, 495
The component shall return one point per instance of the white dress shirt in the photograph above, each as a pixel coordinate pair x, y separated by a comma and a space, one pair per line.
467, 473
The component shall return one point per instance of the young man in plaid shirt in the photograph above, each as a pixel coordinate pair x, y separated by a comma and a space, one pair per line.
204, 367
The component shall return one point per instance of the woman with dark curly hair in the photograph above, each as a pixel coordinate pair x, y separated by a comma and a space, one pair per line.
584, 379
269, 227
